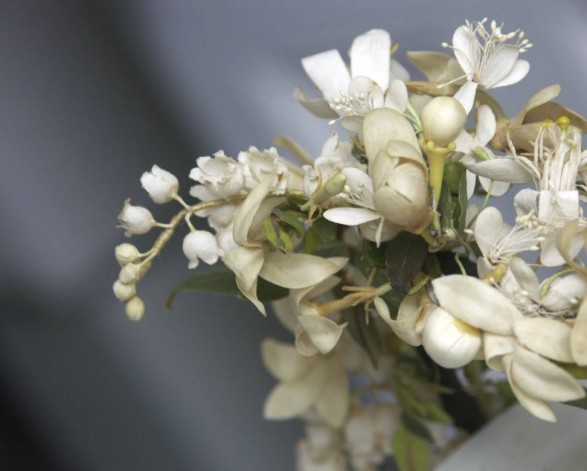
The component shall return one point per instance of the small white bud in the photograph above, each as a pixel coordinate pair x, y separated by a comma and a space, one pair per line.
123, 291
135, 308
135, 219
126, 253
161, 185
130, 273
443, 118
200, 245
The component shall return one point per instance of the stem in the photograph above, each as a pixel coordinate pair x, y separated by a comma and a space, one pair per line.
436, 160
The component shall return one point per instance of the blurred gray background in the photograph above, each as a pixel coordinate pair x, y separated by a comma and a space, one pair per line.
94, 93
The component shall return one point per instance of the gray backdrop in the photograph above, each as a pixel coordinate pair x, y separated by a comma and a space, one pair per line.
94, 93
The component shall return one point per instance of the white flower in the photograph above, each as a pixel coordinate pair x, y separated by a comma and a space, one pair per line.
487, 59
442, 119
368, 86
136, 220
201, 245
161, 185
321, 450
476, 153
263, 165
318, 382
220, 175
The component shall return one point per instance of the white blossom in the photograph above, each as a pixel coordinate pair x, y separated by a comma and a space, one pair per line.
161, 185
201, 245
219, 177
264, 165
136, 220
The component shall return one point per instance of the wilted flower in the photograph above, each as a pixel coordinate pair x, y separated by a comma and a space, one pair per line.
161, 185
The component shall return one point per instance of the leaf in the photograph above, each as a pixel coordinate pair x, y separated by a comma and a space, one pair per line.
311, 240
463, 204
405, 256
331, 249
413, 425
272, 233
325, 229
221, 280
366, 335
446, 207
411, 453
295, 219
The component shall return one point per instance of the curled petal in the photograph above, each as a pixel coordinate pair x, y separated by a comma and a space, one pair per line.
283, 361
383, 125
323, 332
297, 270
495, 348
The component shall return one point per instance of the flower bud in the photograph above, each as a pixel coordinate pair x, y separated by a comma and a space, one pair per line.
135, 219
123, 291
126, 253
449, 341
200, 245
443, 118
130, 273
135, 308
161, 185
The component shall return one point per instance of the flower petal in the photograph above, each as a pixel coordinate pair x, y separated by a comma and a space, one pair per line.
464, 46
328, 72
283, 361
486, 125
499, 65
518, 72
476, 303
466, 95
351, 216
579, 336
502, 169
299, 270
333, 404
547, 337
370, 57
317, 106
245, 214
323, 332
488, 229
397, 96
383, 125
495, 347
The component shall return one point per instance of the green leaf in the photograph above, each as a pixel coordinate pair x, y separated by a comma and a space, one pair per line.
405, 256
415, 426
221, 280
411, 452
311, 240
366, 335
331, 249
463, 204
325, 229
580, 403
272, 232
446, 207
292, 218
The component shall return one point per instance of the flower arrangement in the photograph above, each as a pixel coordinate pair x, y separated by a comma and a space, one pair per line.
416, 312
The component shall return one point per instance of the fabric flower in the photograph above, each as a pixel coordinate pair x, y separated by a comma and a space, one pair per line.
136, 220
219, 177
201, 245
161, 185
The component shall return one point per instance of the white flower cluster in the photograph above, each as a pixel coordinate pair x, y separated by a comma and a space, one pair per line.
375, 247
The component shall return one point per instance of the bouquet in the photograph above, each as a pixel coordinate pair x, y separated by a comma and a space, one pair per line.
416, 312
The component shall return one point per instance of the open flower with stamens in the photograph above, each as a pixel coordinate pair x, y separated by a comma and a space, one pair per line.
368, 85
487, 58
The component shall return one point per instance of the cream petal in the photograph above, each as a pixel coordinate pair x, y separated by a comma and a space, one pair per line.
541, 379
288, 400
518, 72
328, 72
370, 56
351, 216
547, 337
564, 293
448, 341
525, 276
471, 181
250, 292
579, 336
535, 406
476, 303
285, 312
432, 64
323, 332
304, 344
396, 97
246, 263
495, 347
486, 124
526, 201
245, 214
411, 319
488, 229
298, 270
383, 125
543, 96
334, 401
352, 123
500, 64
466, 95
359, 183
317, 106
498, 188
283, 361
397, 71
502, 169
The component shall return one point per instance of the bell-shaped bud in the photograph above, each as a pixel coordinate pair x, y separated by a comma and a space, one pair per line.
443, 118
383, 125
130, 273
135, 308
135, 219
200, 245
161, 185
126, 253
123, 291
449, 341
400, 186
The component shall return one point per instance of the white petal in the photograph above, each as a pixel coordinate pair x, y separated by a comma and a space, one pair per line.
498, 188
246, 263
579, 336
283, 361
245, 214
488, 229
476, 303
542, 379
323, 332
288, 400
502, 169
351, 216
471, 182
486, 124
370, 57
383, 125
526, 201
298, 270
317, 106
525, 276
359, 183
398, 72
397, 96
304, 344
285, 311
564, 293
334, 401
466, 95
464, 45
495, 347
328, 72
547, 337
518, 72
500, 64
